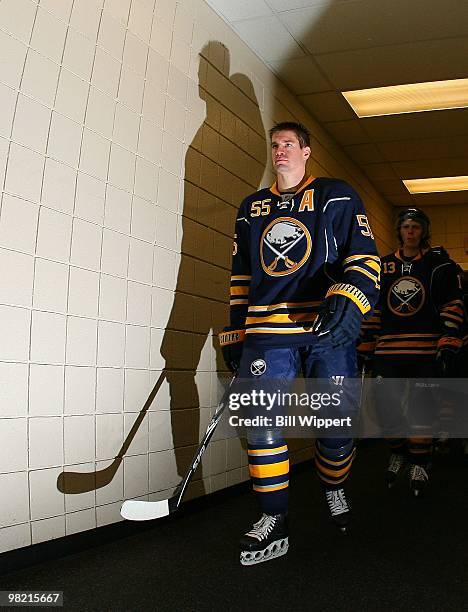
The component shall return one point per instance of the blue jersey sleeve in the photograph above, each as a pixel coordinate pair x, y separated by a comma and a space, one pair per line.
241, 273
357, 251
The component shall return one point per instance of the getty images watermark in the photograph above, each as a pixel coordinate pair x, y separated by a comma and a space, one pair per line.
267, 409
350, 407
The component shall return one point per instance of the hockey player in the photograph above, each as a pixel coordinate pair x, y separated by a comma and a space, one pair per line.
305, 271
413, 333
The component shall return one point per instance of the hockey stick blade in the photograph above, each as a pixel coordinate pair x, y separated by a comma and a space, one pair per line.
141, 510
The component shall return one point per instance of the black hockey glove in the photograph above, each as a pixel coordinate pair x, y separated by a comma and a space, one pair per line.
232, 342
447, 351
338, 323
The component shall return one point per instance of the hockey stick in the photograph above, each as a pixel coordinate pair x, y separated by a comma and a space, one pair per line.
141, 510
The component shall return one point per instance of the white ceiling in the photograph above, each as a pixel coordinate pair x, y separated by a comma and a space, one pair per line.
319, 48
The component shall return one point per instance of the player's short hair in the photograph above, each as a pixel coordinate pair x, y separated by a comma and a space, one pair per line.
302, 133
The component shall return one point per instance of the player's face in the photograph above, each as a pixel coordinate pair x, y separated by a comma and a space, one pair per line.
411, 233
286, 152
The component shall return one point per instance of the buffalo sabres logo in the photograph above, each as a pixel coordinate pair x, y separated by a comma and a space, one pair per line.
258, 367
406, 296
285, 246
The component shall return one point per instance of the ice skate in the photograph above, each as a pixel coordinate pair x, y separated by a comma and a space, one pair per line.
396, 465
418, 479
339, 508
266, 540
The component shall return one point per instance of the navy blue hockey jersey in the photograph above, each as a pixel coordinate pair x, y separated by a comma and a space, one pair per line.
420, 307
289, 255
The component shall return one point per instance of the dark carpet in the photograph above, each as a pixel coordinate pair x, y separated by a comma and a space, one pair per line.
402, 554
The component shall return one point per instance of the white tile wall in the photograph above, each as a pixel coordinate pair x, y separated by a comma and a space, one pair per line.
80, 521
48, 332
24, 173
50, 285
115, 248
139, 304
14, 447
45, 442
48, 35
60, 8
111, 34
48, 529
64, 139
83, 296
140, 261
118, 209
46, 385
86, 244
81, 341
13, 389
145, 179
17, 278
139, 443
162, 470
79, 442
46, 499
15, 536
72, 95
58, 188
12, 56
15, 332
95, 153
143, 219
137, 346
109, 435
17, 18
108, 514
110, 390
111, 344
31, 124
15, 499
100, 112
8, 99
135, 476
80, 390
53, 238
113, 491
85, 17
137, 389
126, 126
99, 103
113, 298
79, 54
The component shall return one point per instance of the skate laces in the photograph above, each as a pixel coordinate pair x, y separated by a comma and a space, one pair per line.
337, 501
396, 463
263, 527
419, 473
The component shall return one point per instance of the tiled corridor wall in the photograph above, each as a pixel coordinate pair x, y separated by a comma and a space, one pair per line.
128, 136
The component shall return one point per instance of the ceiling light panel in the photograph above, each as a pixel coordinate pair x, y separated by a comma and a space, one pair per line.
440, 184
412, 98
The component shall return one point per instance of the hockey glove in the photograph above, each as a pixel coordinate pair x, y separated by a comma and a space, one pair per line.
338, 323
232, 342
447, 351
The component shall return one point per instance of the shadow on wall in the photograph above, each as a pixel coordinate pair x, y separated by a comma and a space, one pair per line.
224, 163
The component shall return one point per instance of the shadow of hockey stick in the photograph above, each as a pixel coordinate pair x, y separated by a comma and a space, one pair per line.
82, 482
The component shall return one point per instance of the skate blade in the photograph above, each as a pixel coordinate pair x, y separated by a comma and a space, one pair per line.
278, 548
